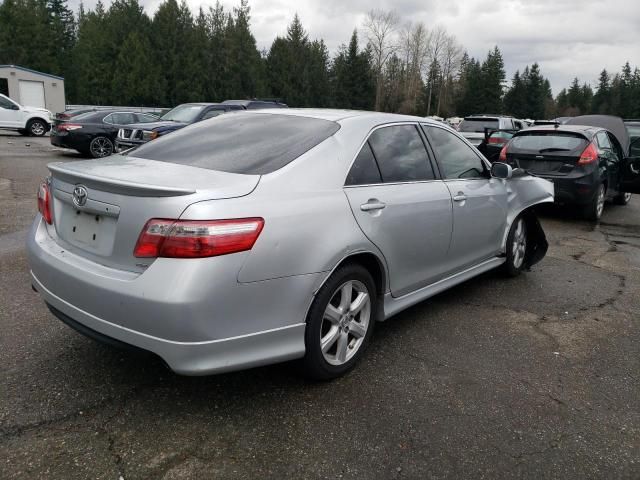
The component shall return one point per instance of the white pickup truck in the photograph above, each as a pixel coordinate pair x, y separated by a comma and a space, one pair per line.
26, 120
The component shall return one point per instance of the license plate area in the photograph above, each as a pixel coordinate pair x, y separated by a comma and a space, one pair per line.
89, 231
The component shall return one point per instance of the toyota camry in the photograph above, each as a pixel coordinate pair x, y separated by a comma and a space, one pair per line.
266, 236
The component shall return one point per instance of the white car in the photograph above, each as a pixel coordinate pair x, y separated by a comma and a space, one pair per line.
26, 120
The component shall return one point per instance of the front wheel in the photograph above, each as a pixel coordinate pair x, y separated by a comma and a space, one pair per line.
340, 323
516, 248
37, 128
101, 147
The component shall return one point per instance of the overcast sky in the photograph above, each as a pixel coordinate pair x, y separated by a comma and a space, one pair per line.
568, 38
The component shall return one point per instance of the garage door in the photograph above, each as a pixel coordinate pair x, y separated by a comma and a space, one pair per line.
31, 94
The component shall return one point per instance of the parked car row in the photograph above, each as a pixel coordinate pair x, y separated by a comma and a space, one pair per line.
100, 133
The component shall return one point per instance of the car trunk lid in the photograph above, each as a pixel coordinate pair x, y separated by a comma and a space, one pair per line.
101, 206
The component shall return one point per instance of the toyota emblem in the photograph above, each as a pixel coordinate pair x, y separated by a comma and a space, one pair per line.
80, 195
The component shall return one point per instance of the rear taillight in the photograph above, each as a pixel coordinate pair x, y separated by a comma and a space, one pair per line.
589, 155
496, 140
503, 155
44, 202
67, 127
197, 238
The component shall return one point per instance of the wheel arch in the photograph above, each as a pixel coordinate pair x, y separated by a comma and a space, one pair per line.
45, 121
374, 264
537, 240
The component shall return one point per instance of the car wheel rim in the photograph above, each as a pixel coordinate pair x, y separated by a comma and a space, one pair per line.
345, 322
101, 147
600, 204
37, 128
519, 245
627, 197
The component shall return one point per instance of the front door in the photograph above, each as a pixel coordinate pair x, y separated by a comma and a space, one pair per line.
479, 201
631, 175
401, 206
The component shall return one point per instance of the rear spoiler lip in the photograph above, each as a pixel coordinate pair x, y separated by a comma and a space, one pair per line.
124, 187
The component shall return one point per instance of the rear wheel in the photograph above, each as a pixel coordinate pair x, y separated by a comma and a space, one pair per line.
594, 210
340, 323
622, 199
100, 147
517, 243
37, 127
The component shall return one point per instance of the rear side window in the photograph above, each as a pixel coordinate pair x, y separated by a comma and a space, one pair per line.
401, 154
477, 125
603, 141
364, 170
547, 142
253, 144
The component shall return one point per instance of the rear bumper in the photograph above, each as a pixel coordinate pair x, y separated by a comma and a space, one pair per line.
196, 325
574, 190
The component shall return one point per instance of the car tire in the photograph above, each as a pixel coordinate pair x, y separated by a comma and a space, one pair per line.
622, 199
593, 211
340, 323
101, 147
37, 127
517, 245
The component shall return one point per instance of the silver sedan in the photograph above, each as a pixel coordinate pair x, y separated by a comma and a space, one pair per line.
265, 236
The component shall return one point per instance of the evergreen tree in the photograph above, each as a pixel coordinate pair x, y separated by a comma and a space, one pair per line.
602, 98
515, 98
352, 77
492, 78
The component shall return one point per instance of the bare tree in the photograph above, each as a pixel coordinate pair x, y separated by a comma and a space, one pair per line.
415, 46
380, 27
451, 58
437, 42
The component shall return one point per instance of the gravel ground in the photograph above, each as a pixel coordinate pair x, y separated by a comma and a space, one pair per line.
535, 377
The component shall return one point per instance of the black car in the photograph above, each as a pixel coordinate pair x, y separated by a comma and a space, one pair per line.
183, 115
94, 133
587, 159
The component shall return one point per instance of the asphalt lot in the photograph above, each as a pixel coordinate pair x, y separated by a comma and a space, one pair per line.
534, 377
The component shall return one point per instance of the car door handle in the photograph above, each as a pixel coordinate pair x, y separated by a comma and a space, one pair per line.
460, 197
371, 205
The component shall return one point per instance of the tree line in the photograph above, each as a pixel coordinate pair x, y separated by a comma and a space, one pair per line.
120, 55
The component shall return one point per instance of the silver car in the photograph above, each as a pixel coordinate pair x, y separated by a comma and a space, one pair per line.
265, 236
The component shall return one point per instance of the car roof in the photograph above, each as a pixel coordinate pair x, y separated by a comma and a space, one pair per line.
199, 104
248, 102
339, 116
585, 129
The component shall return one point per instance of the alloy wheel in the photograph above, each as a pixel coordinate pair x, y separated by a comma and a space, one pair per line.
519, 244
600, 201
101, 147
345, 322
37, 129
627, 197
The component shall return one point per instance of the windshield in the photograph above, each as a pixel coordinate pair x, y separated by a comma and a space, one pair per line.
477, 125
553, 142
253, 144
183, 113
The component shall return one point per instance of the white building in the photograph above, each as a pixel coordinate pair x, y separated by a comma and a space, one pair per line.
32, 89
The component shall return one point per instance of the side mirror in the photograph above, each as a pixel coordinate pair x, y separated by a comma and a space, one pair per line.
15, 107
501, 170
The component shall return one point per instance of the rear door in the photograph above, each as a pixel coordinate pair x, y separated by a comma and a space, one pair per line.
479, 201
547, 153
401, 206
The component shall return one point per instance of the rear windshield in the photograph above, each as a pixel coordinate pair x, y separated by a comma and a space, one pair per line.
477, 125
253, 144
552, 142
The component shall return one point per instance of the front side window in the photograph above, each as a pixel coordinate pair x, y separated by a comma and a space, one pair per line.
5, 103
364, 170
145, 118
120, 118
456, 158
401, 154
